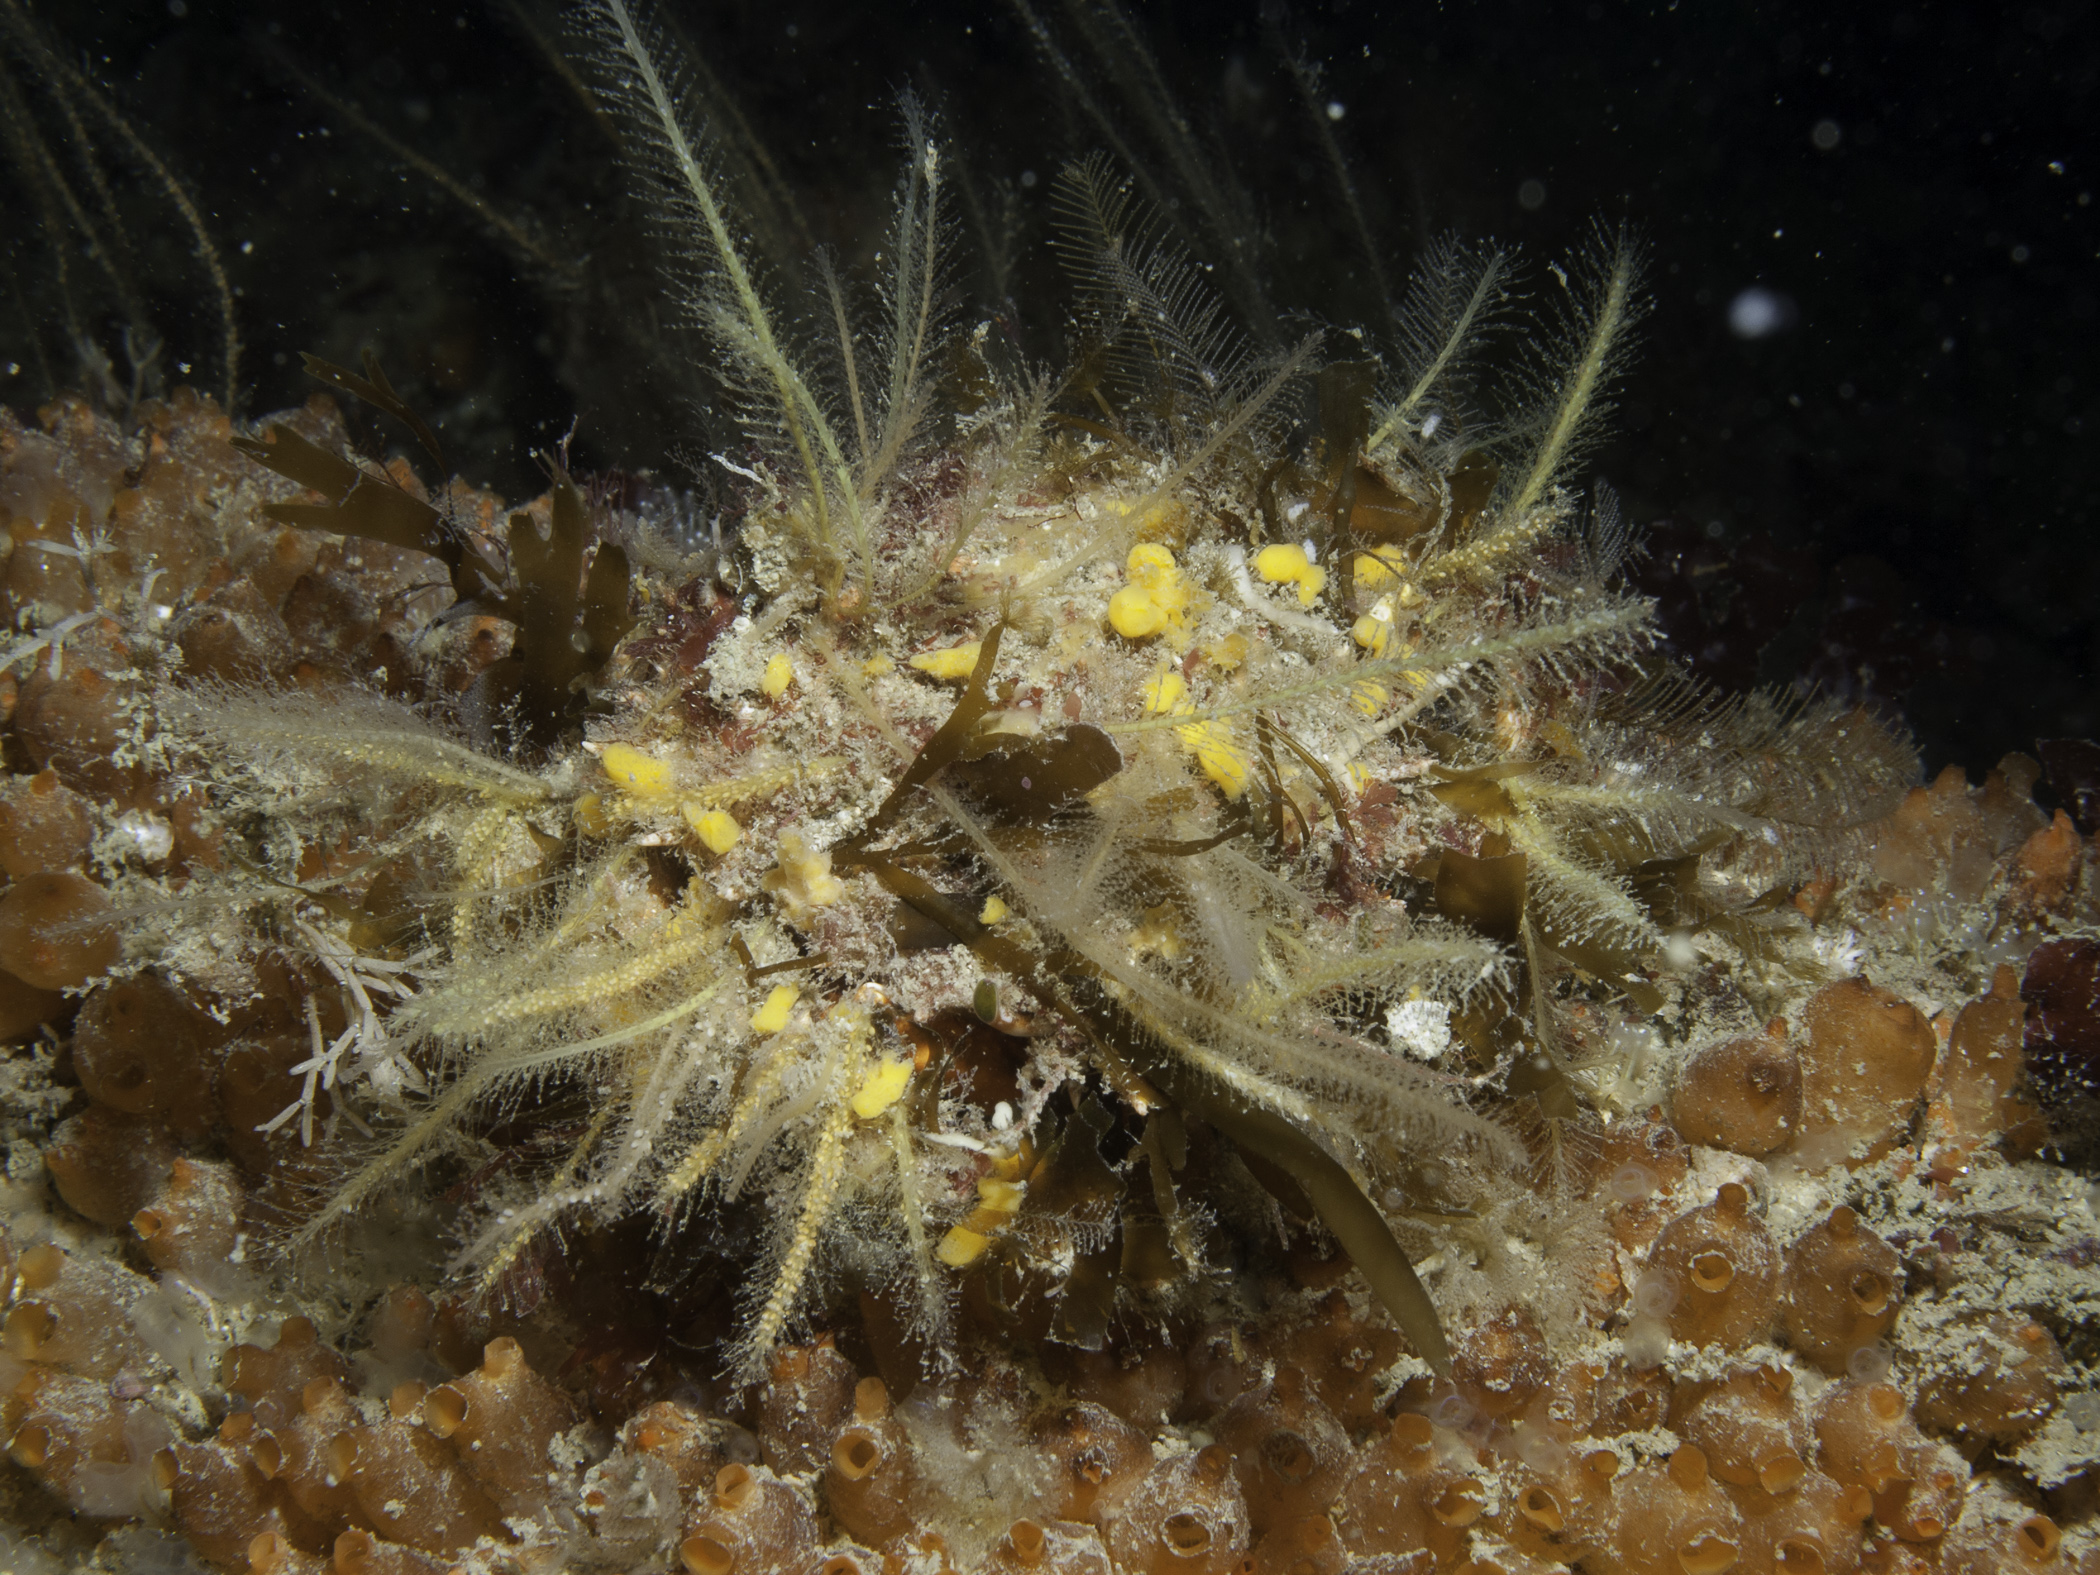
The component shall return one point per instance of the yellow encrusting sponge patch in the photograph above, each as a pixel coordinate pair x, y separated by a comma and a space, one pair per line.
1284, 564
717, 829
1374, 630
780, 674
1166, 693
999, 1199
591, 816
952, 664
802, 880
1157, 597
883, 1088
1378, 568
1212, 743
640, 774
773, 1015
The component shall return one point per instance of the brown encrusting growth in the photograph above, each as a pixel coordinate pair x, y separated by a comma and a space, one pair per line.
1591, 1432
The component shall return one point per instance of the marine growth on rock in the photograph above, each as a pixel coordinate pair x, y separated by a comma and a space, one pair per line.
1136, 967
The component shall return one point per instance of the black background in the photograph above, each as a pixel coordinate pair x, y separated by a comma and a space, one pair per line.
1891, 498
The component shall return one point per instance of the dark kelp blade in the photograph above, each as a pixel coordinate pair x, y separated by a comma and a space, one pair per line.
375, 390
1030, 780
359, 503
1485, 893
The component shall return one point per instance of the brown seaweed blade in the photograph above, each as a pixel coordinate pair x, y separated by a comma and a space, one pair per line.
1033, 779
375, 389
1334, 1195
358, 503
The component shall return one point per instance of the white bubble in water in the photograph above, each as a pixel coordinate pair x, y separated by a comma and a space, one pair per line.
1759, 313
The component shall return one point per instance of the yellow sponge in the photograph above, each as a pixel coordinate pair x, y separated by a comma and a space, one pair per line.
1156, 597
773, 1016
1283, 564
716, 829
883, 1088
639, 774
955, 662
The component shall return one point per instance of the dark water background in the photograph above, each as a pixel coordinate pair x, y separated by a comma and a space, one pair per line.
1891, 496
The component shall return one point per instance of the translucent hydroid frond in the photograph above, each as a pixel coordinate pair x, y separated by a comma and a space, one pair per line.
1149, 134
1232, 427
1567, 896
724, 292
916, 325
357, 727
561, 977
1610, 539
657, 1092
1773, 782
1436, 960
1145, 302
928, 1291
1605, 302
1456, 299
1570, 399
1011, 453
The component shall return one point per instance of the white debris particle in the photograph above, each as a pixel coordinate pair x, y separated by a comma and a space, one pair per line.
1421, 1028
